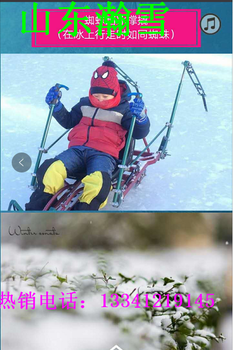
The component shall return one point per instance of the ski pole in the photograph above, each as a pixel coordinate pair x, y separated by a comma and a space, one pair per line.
123, 165
197, 84
45, 134
165, 139
188, 67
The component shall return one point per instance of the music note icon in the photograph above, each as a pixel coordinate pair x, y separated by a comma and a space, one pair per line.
209, 20
210, 24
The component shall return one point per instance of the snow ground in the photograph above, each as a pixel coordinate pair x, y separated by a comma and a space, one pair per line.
198, 174
88, 328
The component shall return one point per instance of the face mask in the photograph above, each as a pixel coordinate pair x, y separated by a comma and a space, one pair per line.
107, 104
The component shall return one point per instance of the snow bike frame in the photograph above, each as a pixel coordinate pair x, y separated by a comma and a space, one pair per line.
44, 137
162, 151
122, 187
162, 148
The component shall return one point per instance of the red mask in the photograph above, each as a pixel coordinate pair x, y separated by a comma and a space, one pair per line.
104, 81
107, 104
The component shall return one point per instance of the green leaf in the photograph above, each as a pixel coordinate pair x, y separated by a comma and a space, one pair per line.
167, 280
126, 279
62, 279
178, 284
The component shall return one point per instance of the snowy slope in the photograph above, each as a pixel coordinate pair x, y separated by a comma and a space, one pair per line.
198, 174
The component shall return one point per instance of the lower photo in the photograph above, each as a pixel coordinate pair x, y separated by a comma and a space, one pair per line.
116, 281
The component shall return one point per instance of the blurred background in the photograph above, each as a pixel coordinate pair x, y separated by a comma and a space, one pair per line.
197, 245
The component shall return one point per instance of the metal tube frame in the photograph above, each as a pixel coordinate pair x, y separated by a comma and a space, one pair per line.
123, 166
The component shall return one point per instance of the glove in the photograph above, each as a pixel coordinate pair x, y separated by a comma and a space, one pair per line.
138, 108
52, 95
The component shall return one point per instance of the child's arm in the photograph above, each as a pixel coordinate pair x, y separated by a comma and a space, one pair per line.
142, 123
68, 119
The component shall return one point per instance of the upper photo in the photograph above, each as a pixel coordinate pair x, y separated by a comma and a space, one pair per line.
120, 132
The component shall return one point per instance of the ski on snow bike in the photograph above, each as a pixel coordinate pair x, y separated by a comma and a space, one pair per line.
132, 163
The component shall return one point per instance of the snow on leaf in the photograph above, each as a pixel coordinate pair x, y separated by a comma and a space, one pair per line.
204, 333
199, 340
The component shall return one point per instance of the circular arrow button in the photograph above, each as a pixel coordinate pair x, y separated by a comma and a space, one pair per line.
21, 162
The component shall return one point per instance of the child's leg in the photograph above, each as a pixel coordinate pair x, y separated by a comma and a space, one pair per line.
96, 189
51, 176
97, 182
39, 197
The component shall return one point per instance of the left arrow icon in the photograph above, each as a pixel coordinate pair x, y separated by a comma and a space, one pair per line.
21, 161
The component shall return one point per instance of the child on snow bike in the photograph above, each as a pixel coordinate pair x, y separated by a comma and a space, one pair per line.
99, 125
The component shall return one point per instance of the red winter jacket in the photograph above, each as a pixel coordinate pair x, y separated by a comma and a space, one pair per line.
101, 129
96, 131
